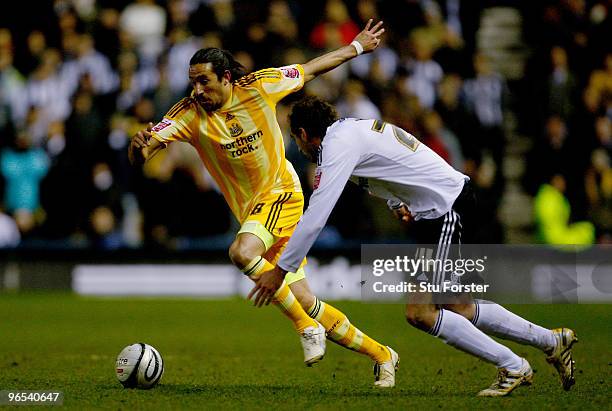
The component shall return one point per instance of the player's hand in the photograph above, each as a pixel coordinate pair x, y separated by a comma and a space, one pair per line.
142, 138
139, 142
266, 286
370, 36
403, 214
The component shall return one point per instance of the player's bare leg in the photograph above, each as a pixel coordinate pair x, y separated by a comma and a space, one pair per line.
341, 331
246, 253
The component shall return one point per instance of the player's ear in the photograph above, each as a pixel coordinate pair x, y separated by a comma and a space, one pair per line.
302, 135
227, 77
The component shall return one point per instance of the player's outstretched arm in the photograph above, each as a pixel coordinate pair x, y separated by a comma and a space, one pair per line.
367, 40
143, 146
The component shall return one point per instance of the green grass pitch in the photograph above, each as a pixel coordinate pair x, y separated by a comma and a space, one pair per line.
226, 354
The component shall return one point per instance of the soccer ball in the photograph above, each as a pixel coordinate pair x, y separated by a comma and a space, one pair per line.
139, 366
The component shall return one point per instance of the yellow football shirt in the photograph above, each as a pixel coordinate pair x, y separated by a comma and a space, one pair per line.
241, 144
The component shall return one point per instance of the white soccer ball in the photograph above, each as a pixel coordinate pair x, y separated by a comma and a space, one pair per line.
139, 366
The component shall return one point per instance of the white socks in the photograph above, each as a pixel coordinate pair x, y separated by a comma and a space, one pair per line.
494, 319
456, 331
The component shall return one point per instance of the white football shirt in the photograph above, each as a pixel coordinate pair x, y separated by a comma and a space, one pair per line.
385, 160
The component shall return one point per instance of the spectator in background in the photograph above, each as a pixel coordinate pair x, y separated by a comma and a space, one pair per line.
552, 146
552, 215
378, 67
178, 15
182, 46
36, 44
355, 103
134, 81
402, 15
561, 85
223, 12
117, 141
84, 130
48, 96
96, 65
103, 208
13, 105
336, 29
484, 96
95, 38
400, 106
454, 114
441, 140
68, 20
281, 25
600, 80
145, 22
424, 72
106, 33
598, 179
445, 40
23, 167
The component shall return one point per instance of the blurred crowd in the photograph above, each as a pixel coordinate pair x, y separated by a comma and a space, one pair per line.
79, 77
567, 107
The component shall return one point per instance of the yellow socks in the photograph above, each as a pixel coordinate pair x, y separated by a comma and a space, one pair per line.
338, 327
284, 298
340, 330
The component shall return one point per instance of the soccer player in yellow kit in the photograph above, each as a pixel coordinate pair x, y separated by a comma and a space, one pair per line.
230, 118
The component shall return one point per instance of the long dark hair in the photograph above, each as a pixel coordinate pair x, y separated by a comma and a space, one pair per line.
221, 60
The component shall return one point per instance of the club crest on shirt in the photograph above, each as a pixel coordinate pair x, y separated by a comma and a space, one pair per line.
235, 130
229, 117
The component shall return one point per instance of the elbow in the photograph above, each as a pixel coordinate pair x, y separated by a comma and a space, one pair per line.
311, 70
308, 73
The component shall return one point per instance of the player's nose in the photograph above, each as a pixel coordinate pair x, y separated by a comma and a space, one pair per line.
198, 90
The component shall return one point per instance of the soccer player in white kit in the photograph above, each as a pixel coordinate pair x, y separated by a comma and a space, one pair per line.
417, 184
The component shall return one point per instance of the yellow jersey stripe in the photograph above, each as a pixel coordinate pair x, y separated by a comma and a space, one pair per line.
257, 74
263, 161
279, 208
180, 106
271, 212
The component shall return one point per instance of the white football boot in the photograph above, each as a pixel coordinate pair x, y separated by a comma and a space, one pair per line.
313, 343
385, 372
508, 381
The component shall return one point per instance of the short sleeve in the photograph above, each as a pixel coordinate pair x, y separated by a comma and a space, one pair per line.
176, 124
275, 83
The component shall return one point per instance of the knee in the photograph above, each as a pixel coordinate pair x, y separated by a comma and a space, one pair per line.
420, 316
241, 254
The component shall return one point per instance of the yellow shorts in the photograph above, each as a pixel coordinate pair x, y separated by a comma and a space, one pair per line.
273, 219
